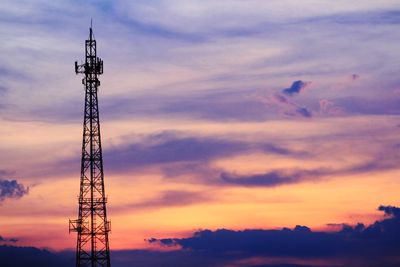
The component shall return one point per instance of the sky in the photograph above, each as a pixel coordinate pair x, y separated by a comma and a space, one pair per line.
234, 132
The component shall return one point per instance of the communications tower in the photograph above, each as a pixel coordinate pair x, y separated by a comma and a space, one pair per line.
92, 226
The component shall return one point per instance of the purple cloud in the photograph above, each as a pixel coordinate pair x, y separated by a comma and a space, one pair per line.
287, 107
296, 88
12, 189
175, 147
303, 112
269, 179
169, 198
290, 176
327, 107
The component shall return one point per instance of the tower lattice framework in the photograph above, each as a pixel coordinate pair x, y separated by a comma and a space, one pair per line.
92, 226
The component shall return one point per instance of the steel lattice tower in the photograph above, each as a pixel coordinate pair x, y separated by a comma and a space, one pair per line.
92, 226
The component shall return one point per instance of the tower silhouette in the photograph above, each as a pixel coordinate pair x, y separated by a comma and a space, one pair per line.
92, 226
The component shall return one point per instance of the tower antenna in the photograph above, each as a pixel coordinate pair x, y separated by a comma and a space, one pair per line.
92, 226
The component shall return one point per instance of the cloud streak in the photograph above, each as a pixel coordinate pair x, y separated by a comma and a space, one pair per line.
12, 240
174, 147
290, 176
166, 199
287, 107
267, 179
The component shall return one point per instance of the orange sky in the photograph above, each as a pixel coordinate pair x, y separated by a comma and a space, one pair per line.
135, 196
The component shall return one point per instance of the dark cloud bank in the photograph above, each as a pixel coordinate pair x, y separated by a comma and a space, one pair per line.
374, 245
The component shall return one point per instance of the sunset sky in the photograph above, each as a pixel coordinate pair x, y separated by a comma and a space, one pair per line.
231, 114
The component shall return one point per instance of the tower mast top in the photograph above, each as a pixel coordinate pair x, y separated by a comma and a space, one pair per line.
93, 65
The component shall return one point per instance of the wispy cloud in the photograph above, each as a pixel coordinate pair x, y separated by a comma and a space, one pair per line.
167, 199
290, 176
286, 106
175, 147
274, 178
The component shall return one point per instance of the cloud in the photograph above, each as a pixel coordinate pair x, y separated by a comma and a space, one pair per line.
169, 198
10, 73
178, 147
167, 147
376, 244
296, 88
4, 173
267, 179
241, 18
327, 107
372, 17
174, 153
275, 177
30, 256
290, 176
303, 112
288, 108
303, 41
158, 30
280, 150
390, 211
175, 198
12, 189
216, 106
12, 240
378, 105
278, 98
189, 158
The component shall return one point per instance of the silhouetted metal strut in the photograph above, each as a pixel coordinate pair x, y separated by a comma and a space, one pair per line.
92, 226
